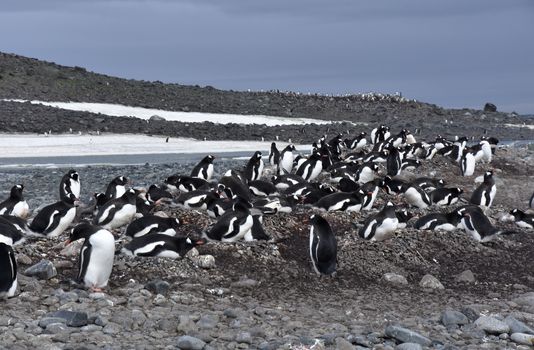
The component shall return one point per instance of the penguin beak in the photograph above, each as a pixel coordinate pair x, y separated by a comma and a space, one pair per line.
67, 242
200, 242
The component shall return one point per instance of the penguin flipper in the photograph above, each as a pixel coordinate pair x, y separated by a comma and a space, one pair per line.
85, 255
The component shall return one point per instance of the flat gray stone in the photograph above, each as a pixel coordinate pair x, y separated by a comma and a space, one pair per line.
395, 278
72, 318
450, 317
517, 326
57, 328
208, 321
466, 276
409, 346
344, 344
523, 338
45, 321
243, 337
187, 342
204, 261
158, 287
405, 335
492, 325
429, 281
43, 270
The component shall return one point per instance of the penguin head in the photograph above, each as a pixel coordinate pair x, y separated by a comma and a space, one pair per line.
517, 212
488, 175
292, 147
74, 175
441, 182
209, 158
16, 192
175, 222
100, 198
122, 180
130, 196
82, 230
257, 155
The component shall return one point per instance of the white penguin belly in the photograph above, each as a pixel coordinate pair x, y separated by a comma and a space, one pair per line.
121, 217
287, 162
101, 259
414, 198
21, 209
316, 171
388, 226
64, 222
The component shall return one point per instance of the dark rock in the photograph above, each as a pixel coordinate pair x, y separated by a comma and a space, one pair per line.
450, 317
187, 342
490, 107
158, 287
72, 318
405, 335
44, 269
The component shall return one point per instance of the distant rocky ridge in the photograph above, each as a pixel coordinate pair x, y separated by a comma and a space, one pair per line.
31, 79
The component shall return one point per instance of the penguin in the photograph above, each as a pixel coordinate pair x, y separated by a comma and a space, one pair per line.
522, 219
204, 169
70, 183
100, 199
287, 157
160, 245
445, 196
143, 205
393, 186
348, 185
467, 163
8, 271
482, 152
415, 196
157, 193
15, 204
380, 134
117, 187
376, 157
342, 201
186, 183
152, 224
485, 192
357, 143
323, 246
370, 191
53, 219
96, 255
403, 216
262, 188
438, 221
428, 183
257, 232
365, 173
197, 199
380, 226
311, 167
282, 182
117, 212
232, 225
12, 230
410, 164
274, 155
235, 187
478, 225
254, 168
217, 207
393, 162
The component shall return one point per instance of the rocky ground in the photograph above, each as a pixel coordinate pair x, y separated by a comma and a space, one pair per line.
417, 290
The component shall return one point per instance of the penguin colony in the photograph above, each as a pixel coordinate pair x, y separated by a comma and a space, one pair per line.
353, 171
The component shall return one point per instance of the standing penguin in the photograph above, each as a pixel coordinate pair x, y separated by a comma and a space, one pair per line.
311, 167
274, 155
53, 219
380, 226
96, 255
117, 187
70, 183
254, 168
287, 157
15, 204
204, 169
8, 271
485, 193
394, 163
467, 163
117, 212
323, 246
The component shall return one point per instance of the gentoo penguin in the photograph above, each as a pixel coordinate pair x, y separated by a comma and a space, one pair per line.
445, 196
197, 199
117, 212
348, 185
204, 169
482, 151
415, 196
478, 225
152, 224
365, 173
274, 155
286, 160
380, 134
53, 219
522, 219
232, 225
381, 225
428, 183
254, 168
403, 216
485, 192
342, 201
100, 199
96, 255
438, 221
117, 187
394, 163
284, 181
160, 245
156, 193
12, 232
311, 167
262, 188
15, 204
233, 186
257, 231
410, 164
467, 163
357, 143
218, 206
8, 271
186, 183
393, 186
323, 246
376, 157
70, 183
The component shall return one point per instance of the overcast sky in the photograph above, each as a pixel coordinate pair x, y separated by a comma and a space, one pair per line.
454, 53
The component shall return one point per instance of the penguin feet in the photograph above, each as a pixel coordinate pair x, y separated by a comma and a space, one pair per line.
96, 290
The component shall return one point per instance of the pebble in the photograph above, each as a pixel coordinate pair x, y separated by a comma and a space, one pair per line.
523, 338
44, 269
187, 342
158, 287
517, 326
204, 261
429, 281
492, 325
343, 344
395, 278
405, 335
450, 317
466, 276
409, 346
72, 318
